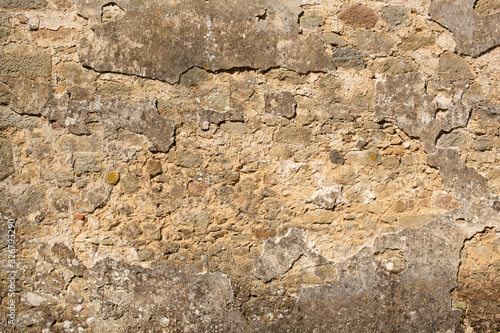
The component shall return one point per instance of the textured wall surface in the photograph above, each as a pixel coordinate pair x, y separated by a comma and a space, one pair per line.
249, 166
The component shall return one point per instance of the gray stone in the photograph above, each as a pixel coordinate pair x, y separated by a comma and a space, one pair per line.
452, 67
194, 76
465, 183
24, 4
483, 143
5, 94
282, 104
96, 194
347, 58
139, 117
217, 99
336, 157
373, 43
279, 254
473, 33
179, 38
293, 134
31, 200
129, 184
207, 117
452, 139
9, 118
6, 159
334, 39
396, 16
145, 254
418, 118
4, 25
311, 20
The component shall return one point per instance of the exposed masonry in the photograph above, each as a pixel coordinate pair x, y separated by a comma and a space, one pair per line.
214, 166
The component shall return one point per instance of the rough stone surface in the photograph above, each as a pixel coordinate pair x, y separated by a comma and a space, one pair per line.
473, 33
282, 104
25, 4
270, 166
396, 16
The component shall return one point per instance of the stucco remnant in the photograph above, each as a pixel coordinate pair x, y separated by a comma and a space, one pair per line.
473, 33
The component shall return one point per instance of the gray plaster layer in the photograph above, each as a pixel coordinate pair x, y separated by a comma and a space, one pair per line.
164, 40
404, 100
473, 33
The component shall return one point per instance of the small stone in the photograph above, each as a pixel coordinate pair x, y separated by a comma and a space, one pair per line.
391, 162
29, 172
304, 119
6, 159
5, 94
326, 197
84, 206
358, 15
194, 76
79, 217
347, 58
145, 254
293, 134
373, 43
388, 219
311, 20
5, 25
483, 143
396, 16
336, 157
171, 247
234, 127
452, 67
154, 168
232, 177
129, 184
321, 216
334, 39
282, 104
417, 40
24, 4
279, 151
217, 99
111, 178
188, 158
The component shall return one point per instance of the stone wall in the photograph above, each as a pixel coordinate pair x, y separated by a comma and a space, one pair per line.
250, 166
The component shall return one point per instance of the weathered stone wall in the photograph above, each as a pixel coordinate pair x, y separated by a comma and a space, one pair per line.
250, 166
